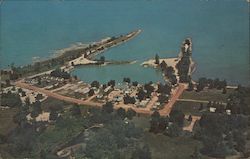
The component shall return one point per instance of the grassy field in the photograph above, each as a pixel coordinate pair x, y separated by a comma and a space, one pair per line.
164, 147
6, 120
207, 95
189, 108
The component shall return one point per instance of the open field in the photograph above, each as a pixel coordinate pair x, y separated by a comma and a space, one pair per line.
6, 120
207, 95
189, 108
162, 146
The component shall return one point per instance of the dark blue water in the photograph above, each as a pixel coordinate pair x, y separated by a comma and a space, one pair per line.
219, 29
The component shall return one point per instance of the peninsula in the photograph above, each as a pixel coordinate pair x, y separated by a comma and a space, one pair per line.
75, 55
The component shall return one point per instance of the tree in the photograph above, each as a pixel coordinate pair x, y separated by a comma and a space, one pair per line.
121, 113
154, 122
13, 88
19, 90
20, 118
129, 100
27, 101
177, 117
43, 154
163, 98
163, 65
39, 96
149, 88
7, 81
130, 113
76, 111
23, 94
11, 99
108, 107
95, 84
162, 124
135, 83
201, 107
36, 109
127, 80
190, 86
141, 153
91, 92
39, 82
111, 83
196, 154
157, 59
224, 91
141, 94
155, 116
169, 71
174, 130
60, 73
53, 115
190, 118
104, 86
164, 89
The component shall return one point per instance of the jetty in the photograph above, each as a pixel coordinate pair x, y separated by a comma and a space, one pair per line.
81, 54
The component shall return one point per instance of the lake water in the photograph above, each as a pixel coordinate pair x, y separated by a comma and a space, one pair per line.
219, 29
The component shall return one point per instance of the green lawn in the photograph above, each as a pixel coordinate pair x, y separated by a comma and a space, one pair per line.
207, 95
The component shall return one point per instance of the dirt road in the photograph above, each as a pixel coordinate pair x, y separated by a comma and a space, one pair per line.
176, 94
57, 96
198, 101
165, 111
191, 125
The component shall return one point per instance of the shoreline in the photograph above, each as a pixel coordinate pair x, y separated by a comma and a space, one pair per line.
67, 55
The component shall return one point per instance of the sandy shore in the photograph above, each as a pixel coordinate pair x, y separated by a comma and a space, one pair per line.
81, 61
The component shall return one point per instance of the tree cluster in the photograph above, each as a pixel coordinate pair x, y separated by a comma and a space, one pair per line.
11, 99
210, 83
60, 73
183, 68
111, 83
170, 125
170, 74
126, 79
222, 134
95, 84
122, 113
129, 100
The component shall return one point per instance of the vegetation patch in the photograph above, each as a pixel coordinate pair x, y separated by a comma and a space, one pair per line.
207, 95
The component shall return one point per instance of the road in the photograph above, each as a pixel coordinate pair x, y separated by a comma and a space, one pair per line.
176, 94
165, 111
57, 96
198, 101
191, 125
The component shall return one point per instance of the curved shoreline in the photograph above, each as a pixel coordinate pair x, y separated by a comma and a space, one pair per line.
67, 55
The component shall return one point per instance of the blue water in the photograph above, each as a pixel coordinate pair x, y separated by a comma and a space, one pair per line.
219, 29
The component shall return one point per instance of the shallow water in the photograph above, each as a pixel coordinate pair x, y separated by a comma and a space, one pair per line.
219, 29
